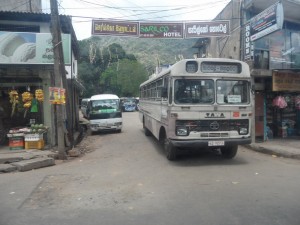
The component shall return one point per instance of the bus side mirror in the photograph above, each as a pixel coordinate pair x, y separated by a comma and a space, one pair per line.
164, 92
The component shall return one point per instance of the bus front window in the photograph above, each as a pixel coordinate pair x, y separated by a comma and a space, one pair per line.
232, 92
194, 91
105, 106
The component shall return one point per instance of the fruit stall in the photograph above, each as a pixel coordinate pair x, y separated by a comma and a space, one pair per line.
28, 138
21, 119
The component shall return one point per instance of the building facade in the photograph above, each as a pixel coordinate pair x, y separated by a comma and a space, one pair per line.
266, 35
27, 65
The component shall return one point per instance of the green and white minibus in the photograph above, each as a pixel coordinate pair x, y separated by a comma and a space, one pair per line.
104, 113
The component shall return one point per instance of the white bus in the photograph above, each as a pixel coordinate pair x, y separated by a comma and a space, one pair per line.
201, 103
104, 113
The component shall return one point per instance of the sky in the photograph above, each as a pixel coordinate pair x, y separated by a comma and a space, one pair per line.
84, 11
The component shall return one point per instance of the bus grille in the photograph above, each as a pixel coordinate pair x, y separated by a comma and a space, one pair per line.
210, 135
213, 125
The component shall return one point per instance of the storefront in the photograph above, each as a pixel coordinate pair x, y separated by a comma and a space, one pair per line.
24, 99
276, 64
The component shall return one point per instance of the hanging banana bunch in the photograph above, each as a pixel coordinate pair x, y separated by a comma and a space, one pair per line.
39, 95
14, 100
26, 98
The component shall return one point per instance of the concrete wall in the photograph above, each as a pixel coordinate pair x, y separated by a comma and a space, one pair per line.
227, 47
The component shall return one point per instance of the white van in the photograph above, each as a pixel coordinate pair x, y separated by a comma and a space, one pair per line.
83, 106
104, 113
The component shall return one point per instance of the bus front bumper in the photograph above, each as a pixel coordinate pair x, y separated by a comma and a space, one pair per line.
215, 143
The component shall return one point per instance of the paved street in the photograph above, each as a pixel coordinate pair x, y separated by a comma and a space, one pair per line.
126, 179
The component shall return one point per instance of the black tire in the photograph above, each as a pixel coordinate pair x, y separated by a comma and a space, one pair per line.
119, 131
170, 149
229, 152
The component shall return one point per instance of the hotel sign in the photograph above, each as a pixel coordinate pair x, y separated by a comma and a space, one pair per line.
161, 30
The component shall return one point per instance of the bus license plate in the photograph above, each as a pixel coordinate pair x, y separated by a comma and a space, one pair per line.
216, 143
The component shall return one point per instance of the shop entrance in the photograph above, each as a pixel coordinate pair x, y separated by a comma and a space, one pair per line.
15, 112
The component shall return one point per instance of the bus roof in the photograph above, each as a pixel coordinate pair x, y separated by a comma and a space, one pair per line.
180, 68
104, 96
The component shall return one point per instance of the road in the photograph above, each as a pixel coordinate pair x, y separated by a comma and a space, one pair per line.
127, 180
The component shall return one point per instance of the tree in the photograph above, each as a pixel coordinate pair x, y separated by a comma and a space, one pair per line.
99, 66
124, 77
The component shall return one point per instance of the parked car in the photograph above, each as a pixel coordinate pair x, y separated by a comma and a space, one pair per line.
128, 104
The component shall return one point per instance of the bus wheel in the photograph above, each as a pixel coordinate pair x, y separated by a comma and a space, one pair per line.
170, 149
229, 152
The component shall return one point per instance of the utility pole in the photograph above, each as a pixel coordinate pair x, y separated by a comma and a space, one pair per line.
59, 77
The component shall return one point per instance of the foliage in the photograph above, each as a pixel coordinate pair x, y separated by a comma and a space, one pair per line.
124, 77
118, 65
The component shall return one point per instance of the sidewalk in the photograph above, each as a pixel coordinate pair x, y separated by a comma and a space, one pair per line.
281, 147
29, 159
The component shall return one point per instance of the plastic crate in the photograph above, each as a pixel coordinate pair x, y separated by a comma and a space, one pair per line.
33, 137
34, 144
16, 143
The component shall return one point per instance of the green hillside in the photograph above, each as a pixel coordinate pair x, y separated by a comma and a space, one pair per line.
150, 52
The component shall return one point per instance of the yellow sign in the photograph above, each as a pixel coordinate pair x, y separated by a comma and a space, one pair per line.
286, 81
57, 95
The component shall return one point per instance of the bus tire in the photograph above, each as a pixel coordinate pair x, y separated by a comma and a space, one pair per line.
170, 149
229, 152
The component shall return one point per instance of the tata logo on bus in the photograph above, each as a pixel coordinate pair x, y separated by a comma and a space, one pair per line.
214, 115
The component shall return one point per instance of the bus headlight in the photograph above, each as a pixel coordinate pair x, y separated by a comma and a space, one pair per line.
182, 131
243, 130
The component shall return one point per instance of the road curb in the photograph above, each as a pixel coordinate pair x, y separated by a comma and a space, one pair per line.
270, 151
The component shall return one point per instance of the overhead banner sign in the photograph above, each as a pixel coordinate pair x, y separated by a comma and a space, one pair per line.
161, 30
207, 29
31, 48
286, 81
165, 30
115, 28
266, 22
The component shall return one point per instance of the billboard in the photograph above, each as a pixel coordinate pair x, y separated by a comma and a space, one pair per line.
266, 22
31, 48
116, 28
161, 30
207, 29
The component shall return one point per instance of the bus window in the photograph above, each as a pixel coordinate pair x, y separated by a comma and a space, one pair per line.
232, 92
190, 91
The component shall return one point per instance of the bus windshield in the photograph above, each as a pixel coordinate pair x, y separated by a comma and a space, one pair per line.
202, 91
233, 92
194, 91
104, 106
